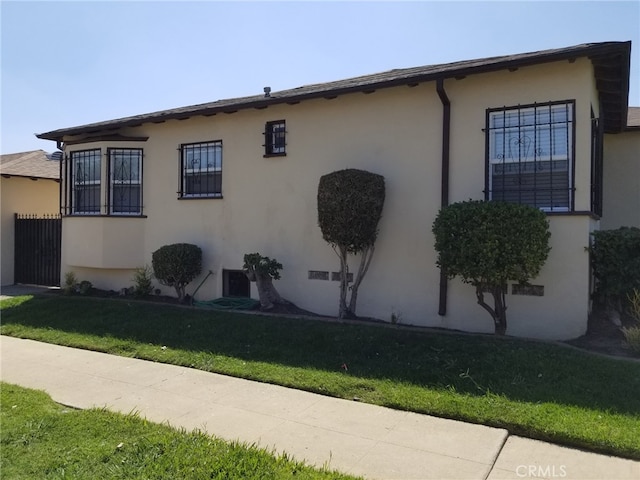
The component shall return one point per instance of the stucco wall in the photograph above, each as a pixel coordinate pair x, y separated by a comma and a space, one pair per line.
621, 205
25, 196
269, 204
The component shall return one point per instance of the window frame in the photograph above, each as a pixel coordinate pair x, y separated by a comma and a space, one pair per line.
88, 154
112, 181
216, 169
597, 154
565, 129
275, 138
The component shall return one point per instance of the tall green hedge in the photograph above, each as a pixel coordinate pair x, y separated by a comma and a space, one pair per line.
615, 257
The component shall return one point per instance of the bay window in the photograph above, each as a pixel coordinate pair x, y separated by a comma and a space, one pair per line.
85, 191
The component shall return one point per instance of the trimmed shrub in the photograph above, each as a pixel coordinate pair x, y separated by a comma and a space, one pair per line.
349, 208
489, 243
176, 265
615, 257
85, 287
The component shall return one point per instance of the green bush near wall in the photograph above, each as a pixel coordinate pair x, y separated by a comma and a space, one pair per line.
176, 265
350, 205
615, 257
487, 244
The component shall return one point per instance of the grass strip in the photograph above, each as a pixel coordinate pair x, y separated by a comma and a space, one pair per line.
41, 439
533, 389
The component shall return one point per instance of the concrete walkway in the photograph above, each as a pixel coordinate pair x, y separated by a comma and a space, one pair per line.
7, 291
356, 438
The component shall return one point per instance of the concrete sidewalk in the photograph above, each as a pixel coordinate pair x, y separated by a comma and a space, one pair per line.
356, 438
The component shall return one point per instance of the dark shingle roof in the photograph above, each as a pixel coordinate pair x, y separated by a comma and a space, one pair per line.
611, 65
34, 164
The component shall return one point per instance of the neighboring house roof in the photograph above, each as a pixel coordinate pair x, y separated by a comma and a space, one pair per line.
34, 164
611, 62
633, 118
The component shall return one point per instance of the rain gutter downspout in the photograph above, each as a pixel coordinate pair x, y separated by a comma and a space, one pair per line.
444, 191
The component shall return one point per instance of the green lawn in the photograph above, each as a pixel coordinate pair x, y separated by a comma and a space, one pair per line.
41, 439
533, 389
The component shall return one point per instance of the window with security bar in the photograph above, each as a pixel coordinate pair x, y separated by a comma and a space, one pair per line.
85, 182
125, 173
531, 155
274, 138
201, 170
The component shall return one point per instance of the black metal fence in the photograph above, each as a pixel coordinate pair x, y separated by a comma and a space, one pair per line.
37, 249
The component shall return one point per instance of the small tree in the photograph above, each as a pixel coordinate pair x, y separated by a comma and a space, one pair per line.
489, 243
263, 270
349, 208
176, 265
143, 285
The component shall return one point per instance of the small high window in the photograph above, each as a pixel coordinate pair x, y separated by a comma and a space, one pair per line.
201, 170
274, 138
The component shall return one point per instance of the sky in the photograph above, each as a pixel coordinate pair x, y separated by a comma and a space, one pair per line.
71, 63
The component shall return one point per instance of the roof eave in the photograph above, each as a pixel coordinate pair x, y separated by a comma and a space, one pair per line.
593, 51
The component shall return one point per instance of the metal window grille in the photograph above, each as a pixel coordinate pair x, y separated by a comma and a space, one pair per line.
275, 138
125, 181
201, 170
85, 181
530, 155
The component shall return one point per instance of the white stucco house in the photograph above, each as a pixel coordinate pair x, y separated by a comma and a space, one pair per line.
547, 128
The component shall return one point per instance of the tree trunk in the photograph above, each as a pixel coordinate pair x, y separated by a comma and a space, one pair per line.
179, 292
267, 292
343, 310
365, 260
499, 310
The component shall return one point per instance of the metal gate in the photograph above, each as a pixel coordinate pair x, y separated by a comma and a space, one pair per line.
37, 249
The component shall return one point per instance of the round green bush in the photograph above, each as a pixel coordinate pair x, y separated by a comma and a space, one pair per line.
176, 265
492, 242
349, 208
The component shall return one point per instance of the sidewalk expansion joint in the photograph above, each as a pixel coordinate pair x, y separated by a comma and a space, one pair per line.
495, 459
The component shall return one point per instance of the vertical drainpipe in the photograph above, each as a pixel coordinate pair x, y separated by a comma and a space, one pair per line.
444, 198
60, 187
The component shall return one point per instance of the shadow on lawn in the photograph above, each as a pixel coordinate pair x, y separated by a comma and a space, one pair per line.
473, 365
